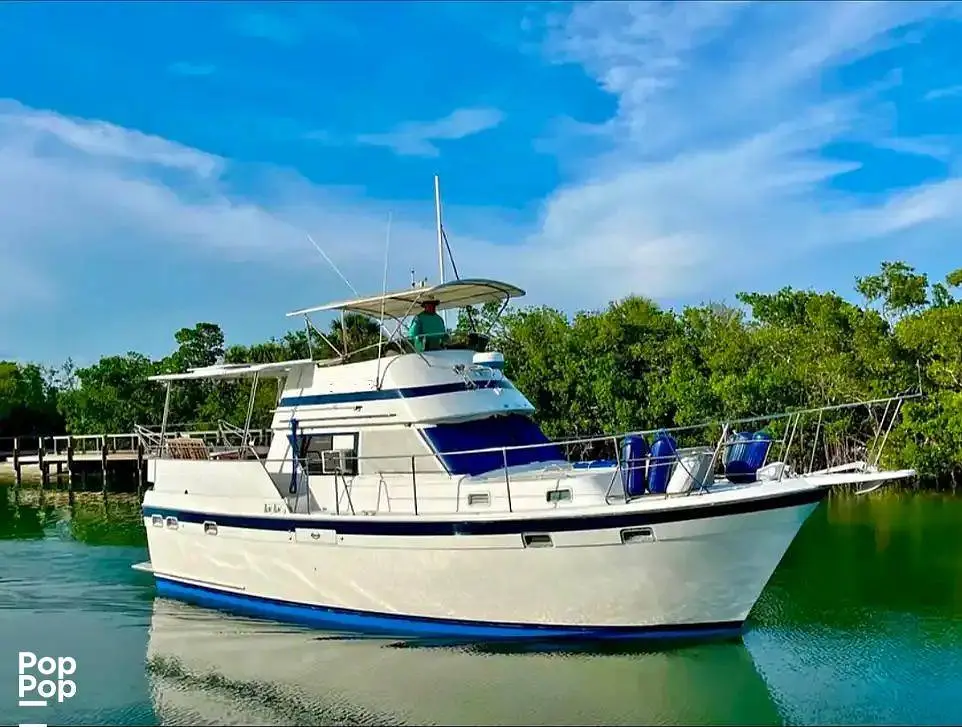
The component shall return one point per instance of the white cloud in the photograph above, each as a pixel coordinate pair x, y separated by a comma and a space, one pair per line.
717, 174
415, 138
712, 175
934, 147
70, 185
944, 92
29, 129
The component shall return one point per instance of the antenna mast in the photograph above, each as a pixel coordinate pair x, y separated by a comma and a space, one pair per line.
437, 214
380, 323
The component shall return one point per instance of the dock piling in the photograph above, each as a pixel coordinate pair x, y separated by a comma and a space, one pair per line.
41, 461
103, 464
140, 468
71, 471
17, 472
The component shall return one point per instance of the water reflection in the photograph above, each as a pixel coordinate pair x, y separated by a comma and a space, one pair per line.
859, 556
207, 667
862, 623
92, 518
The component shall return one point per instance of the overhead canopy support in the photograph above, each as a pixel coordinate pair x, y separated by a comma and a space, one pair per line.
455, 294
276, 370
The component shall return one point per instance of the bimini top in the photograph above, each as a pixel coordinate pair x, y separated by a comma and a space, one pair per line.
456, 294
235, 371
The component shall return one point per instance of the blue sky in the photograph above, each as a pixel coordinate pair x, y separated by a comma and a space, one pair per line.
163, 163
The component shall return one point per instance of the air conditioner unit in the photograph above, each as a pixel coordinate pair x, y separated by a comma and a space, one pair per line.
336, 461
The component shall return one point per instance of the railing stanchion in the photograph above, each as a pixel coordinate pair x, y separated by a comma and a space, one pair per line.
878, 454
714, 458
337, 502
414, 484
788, 446
818, 430
507, 478
618, 473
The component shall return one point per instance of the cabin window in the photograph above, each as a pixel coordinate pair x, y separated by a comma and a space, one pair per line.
312, 451
329, 454
495, 432
558, 495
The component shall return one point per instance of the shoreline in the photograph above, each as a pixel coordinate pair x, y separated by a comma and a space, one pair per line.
29, 472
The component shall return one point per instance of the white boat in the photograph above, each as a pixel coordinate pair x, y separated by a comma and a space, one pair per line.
414, 495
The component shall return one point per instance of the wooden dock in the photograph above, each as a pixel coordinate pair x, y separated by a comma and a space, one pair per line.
79, 456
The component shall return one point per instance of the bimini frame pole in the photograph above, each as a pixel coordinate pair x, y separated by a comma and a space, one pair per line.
163, 421
250, 410
310, 346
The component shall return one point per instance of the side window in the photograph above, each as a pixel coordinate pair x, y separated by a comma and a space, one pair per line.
328, 454
312, 451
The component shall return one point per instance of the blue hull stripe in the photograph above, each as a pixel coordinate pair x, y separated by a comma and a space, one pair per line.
415, 526
411, 392
370, 622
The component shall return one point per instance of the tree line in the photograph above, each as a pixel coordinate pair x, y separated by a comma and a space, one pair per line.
630, 366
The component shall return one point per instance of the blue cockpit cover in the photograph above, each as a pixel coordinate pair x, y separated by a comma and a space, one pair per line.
510, 430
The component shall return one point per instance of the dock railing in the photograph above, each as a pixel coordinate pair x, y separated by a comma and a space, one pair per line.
68, 452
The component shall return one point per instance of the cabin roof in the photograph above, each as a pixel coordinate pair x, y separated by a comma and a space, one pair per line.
455, 294
276, 370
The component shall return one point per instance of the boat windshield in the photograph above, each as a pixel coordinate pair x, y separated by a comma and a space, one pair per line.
509, 430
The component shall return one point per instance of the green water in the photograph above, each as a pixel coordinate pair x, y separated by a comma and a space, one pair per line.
861, 624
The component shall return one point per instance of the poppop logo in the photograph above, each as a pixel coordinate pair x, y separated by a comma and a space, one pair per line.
43, 679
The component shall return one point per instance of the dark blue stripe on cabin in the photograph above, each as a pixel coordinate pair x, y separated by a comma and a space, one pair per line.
384, 624
416, 526
410, 392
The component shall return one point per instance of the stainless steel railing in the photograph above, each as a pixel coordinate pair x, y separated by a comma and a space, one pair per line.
790, 438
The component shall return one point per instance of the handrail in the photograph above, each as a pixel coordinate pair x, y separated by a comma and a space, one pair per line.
793, 418
794, 429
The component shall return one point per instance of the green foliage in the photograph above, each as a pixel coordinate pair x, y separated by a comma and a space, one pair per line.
28, 400
954, 279
111, 395
629, 366
898, 288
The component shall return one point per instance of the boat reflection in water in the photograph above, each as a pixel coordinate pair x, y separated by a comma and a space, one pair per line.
209, 667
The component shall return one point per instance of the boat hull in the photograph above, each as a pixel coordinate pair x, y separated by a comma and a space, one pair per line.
693, 575
407, 626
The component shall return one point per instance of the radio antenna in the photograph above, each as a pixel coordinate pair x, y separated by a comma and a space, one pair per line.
335, 268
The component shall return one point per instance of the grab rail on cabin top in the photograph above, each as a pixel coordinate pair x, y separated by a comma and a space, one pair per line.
793, 428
